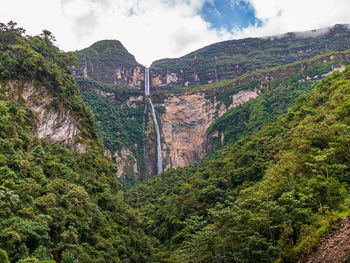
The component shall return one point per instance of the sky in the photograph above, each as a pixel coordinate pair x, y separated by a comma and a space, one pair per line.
155, 29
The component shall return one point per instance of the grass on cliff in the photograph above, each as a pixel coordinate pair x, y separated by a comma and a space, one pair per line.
230, 59
315, 66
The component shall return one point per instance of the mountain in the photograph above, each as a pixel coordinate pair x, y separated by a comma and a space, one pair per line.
230, 59
60, 199
193, 118
108, 61
256, 166
269, 197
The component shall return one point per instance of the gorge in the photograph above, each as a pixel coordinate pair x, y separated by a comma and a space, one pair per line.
187, 104
111, 161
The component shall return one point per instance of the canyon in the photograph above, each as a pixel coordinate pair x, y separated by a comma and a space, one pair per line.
191, 92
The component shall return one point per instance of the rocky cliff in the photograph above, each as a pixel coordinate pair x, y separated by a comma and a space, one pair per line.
230, 59
192, 92
186, 120
119, 111
54, 124
108, 61
186, 117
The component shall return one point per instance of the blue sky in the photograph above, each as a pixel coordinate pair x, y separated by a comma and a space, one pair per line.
155, 29
230, 15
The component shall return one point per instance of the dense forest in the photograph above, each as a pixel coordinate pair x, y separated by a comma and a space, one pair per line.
268, 194
57, 205
119, 124
268, 197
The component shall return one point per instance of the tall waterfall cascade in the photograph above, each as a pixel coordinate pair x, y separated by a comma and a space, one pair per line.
155, 122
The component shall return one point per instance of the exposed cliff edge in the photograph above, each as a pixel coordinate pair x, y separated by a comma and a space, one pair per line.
108, 61
55, 124
185, 122
230, 59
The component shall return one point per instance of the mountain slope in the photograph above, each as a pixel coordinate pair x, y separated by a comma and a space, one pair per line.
58, 202
230, 59
197, 120
119, 112
205, 121
269, 196
108, 61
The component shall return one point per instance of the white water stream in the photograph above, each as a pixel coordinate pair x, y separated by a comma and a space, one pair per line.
155, 122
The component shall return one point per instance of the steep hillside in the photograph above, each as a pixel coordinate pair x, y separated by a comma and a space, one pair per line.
230, 59
335, 245
197, 120
270, 196
119, 112
108, 61
59, 195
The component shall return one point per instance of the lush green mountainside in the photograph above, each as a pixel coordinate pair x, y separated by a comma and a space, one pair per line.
119, 112
269, 196
230, 59
266, 198
108, 61
56, 204
284, 85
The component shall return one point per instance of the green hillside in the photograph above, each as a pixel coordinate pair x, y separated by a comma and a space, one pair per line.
230, 59
269, 196
283, 85
57, 205
119, 124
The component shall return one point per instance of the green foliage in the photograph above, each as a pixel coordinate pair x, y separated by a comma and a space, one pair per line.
3, 256
103, 58
230, 59
57, 205
36, 59
249, 117
119, 124
267, 197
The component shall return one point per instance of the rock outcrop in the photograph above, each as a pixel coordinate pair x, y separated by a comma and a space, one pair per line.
185, 122
335, 245
54, 124
127, 163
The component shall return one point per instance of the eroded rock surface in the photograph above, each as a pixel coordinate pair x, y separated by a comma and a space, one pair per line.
186, 121
335, 246
127, 163
55, 124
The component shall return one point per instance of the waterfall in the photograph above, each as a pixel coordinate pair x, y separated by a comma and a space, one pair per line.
155, 122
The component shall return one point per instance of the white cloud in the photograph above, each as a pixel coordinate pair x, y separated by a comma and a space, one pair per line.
154, 29
297, 15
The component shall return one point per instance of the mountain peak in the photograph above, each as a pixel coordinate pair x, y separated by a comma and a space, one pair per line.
109, 61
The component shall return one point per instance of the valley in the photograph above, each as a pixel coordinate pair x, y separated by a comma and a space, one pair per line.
236, 152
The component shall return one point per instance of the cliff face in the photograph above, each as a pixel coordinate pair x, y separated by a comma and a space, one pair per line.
232, 73
230, 59
57, 125
185, 122
119, 112
108, 61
